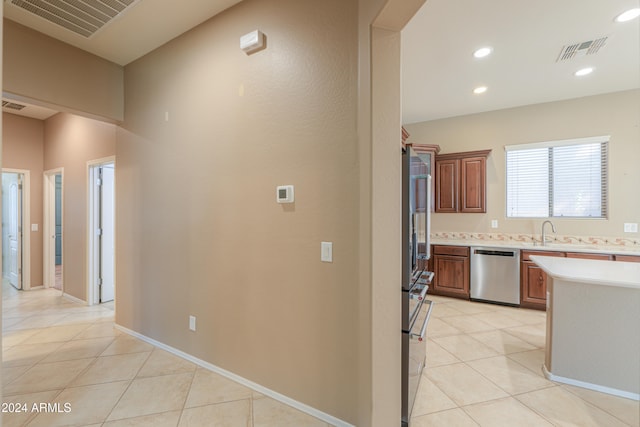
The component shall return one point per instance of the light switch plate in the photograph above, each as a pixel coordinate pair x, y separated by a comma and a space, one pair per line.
34, 227
630, 227
192, 323
326, 251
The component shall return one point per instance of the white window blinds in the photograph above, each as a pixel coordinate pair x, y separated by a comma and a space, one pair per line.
558, 179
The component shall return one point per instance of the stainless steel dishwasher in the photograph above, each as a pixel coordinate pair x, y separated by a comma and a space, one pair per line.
495, 275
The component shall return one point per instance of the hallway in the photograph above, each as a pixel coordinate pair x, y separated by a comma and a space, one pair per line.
58, 351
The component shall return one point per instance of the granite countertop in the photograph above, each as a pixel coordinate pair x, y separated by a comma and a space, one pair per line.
599, 272
555, 247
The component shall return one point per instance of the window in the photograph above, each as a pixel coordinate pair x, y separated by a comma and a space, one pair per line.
558, 179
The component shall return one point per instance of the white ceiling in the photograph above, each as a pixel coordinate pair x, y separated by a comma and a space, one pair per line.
439, 71
143, 27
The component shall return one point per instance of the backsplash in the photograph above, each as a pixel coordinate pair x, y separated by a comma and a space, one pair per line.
628, 242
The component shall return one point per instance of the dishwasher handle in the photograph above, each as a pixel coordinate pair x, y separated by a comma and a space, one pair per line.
491, 252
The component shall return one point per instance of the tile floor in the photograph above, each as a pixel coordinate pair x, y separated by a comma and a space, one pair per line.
58, 351
483, 368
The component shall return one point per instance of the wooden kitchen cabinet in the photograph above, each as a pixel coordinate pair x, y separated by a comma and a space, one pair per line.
447, 185
586, 255
628, 258
451, 271
461, 182
533, 280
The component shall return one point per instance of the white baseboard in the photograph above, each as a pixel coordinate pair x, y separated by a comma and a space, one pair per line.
74, 299
590, 386
245, 382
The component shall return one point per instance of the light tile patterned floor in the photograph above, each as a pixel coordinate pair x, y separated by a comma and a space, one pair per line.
484, 367
58, 351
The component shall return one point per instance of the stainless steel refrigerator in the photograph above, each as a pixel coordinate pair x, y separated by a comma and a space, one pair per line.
416, 217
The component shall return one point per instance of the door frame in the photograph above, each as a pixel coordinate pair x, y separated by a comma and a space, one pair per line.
49, 227
93, 252
26, 225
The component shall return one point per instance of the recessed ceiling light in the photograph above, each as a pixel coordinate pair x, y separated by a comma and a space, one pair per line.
482, 52
480, 89
583, 72
628, 15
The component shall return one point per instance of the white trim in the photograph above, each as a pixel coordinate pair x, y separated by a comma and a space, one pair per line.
26, 225
93, 296
559, 143
590, 386
74, 299
247, 383
48, 219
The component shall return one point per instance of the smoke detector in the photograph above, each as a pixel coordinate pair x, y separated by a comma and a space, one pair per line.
576, 50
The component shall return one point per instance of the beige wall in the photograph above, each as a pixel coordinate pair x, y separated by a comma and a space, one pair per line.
42, 70
70, 142
1, 127
616, 114
23, 148
199, 230
303, 90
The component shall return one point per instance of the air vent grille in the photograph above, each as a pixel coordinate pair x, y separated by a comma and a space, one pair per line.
12, 105
589, 47
83, 17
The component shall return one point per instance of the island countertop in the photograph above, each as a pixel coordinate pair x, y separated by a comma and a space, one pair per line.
599, 272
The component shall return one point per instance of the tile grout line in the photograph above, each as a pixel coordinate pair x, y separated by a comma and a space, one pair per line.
130, 382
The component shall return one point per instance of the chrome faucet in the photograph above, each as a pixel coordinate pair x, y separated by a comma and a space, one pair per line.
544, 237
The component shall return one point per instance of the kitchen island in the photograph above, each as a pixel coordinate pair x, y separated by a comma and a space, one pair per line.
593, 324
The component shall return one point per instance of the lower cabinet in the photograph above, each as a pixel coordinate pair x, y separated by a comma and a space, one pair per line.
586, 255
627, 258
451, 271
533, 281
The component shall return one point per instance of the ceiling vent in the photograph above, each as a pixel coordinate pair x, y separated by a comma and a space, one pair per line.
83, 17
12, 105
589, 47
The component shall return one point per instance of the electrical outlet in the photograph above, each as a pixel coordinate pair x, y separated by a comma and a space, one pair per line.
630, 227
192, 323
494, 223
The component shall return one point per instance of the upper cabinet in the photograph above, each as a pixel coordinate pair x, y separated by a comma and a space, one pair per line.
461, 182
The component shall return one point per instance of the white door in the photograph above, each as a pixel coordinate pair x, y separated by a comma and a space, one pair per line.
12, 182
107, 232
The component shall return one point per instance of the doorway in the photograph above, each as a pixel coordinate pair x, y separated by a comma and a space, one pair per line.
16, 236
53, 262
12, 221
101, 231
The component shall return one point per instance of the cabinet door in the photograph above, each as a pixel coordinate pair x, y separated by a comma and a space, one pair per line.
451, 275
447, 185
533, 286
472, 184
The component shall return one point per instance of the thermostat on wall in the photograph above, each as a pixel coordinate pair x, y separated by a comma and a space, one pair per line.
284, 194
